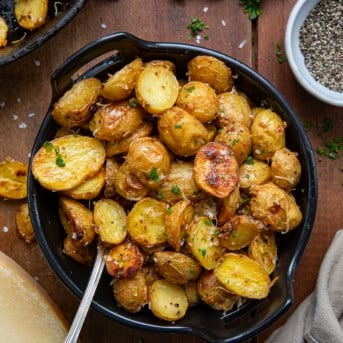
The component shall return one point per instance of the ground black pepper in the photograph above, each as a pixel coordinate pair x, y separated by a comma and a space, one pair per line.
321, 42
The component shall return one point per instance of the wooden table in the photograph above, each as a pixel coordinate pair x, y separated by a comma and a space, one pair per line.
24, 87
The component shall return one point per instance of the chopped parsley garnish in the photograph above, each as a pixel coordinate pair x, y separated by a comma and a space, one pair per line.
252, 8
196, 26
133, 102
249, 160
235, 235
216, 232
192, 271
245, 199
48, 146
178, 126
203, 252
208, 222
206, 37
190, 89
169, 210
308, 124
154, 174
159, 195
176, 190
59, 161
234, 142
280, 57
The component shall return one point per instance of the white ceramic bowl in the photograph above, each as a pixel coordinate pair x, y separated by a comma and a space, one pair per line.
296, 59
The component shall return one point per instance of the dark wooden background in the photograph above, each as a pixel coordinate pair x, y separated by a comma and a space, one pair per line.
25, 89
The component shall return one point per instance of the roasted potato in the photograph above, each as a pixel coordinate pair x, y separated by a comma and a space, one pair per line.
212, 71
146, 223
121, 84
216, 169
150, 274
253, 172
294, 214
13, 179
214, 294
285, 169
131, 293
80, 254
229, 206
66, 162
149, 160
24, 225
3, 33
31, 14
192, 294
181, 132
176, 268
157, 88
161, 63
206, 206
211, 130
199, 100
267, 134
74, 108
111, 169
167, 301
116, 121
124, 260
178, 218
243, 276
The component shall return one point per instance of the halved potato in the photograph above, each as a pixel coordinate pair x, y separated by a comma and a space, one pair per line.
111, 169
3, 33
192, 293
66, 162
216, 169
253, 172
24, 225
167, 301
31, 14
229, 206
80, 254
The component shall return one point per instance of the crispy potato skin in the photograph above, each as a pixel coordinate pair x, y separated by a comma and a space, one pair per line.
253, 172
23, 222
31, 14
80, 254
216, 169
192, 294
111, 169
3, 33
229, 206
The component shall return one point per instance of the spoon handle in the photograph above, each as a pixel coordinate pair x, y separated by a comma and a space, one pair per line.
86, 301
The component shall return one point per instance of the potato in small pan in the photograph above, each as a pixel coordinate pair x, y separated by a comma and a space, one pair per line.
80, 254
31, 14
161, 63
253, 172
111, 169
3, 33
229, 206
192, 294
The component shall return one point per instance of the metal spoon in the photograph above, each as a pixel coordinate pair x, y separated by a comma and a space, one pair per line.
86, 301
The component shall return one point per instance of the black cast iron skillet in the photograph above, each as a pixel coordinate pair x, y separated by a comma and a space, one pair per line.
67, 11
211, 325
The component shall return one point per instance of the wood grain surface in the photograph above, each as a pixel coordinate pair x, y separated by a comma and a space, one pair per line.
25, 93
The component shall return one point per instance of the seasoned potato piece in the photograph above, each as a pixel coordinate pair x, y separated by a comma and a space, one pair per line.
243, 276
131, 293
31, 14
111, 169
206, 206
234, 108
80, 254
150, 274
210, 70
118, 147
146, 223
176, 267
63, 131
178, 218
157, 88
74, 108
128, 185
214, 294
13, 179
24, 225
116, 121
149, 160
202, 239
229, 206
263, 250
199, 100
236, 135
285, 169
192, 294
253, 172
216, 169
167, 301
66, 162
124, 260
238, 232
110, 221
162, 63
3, 33
77, 221
211, 130
267, 134
294, 214
121, 84
181, 132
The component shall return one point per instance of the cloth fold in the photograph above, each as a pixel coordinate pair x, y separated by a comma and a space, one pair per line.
319, 318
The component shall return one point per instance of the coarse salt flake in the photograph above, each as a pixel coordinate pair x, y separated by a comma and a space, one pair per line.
205, 9
2, 104
36, 278
242, 44
15, 117
103, 26
198, 39
5, 229
37, 62
30, 115
29, 155
223, 22
22, 125
18, 100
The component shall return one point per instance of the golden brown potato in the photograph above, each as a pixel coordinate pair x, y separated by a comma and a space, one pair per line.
192, 294
253, 172
181, 132
263, 250
285, 169
163, 63
150, 274
116, 121
229, 206
121, 84
66, 162
199, 100
178, 218
216, 169
211, 130
80, 254
111, 169
202, 240
31, 14
157, 88
149, 160
167, 301
124, 260
74, 107
110, 221
24, 225
243, 276
176, 268
63, 131
146, 223
267, 134
212, 71
13, 179
234, 108
3, 33
214, 294
118, 147
131, 293
237, 136
294, 214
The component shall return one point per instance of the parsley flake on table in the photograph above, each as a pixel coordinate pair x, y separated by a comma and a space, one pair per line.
196, 26
280, 56
252, 8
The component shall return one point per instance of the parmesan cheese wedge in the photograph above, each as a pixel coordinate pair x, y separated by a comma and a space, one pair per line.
27, 313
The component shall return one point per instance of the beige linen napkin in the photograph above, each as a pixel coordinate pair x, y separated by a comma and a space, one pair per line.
319, 319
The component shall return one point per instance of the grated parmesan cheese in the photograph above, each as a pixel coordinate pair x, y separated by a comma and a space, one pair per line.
242, 44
